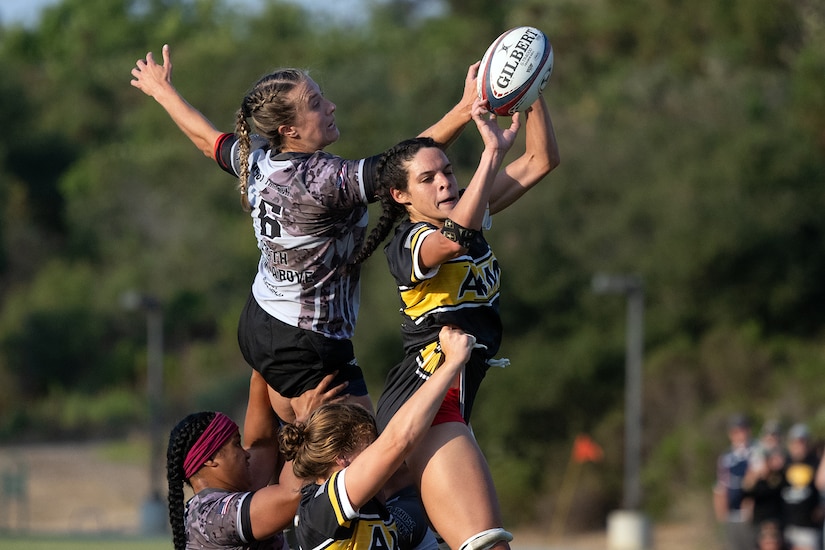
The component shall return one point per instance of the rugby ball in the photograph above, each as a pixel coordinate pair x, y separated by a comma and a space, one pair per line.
515, 69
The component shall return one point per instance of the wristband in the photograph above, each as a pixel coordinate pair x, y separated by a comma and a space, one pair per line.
458, 234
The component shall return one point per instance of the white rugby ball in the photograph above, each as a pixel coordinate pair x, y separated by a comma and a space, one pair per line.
515, 69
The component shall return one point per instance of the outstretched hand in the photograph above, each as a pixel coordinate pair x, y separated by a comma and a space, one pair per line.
151, 78
492, 134
304, 404
471, 86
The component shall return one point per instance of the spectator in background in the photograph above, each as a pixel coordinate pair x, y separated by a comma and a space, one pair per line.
763, 480
770, 438
728, 493
763, 485
769, 537
819, 481
801, 507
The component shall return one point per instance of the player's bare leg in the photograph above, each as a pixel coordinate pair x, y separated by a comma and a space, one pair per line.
457, 488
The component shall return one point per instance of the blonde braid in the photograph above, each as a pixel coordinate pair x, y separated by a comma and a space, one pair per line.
242, 131
268, 106
259, 99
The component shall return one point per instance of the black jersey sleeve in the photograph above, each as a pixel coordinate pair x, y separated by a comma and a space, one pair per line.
223, 152
226, 152
370, 178
245, 526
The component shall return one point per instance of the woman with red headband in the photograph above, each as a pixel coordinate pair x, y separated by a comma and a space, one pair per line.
226, 511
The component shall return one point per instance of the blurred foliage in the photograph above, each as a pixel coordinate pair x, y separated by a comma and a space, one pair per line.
693, 155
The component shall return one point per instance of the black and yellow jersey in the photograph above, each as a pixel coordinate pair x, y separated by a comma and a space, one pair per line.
463, 291
327, 520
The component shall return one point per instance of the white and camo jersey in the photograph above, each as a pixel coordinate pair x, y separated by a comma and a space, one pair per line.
309, 212
327, 520
219, 520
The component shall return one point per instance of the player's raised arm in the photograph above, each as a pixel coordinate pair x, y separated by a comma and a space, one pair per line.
156, 81
450, 126
540, 157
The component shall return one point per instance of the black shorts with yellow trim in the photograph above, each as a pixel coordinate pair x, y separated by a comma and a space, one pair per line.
408, 375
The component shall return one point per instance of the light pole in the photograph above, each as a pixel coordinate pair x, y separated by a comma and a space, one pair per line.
153, 513
631, 521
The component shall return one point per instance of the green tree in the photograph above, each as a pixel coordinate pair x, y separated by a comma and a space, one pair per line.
692, 146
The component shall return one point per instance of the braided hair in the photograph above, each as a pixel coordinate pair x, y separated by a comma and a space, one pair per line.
391, 172
333, 431
269, 108
181, 439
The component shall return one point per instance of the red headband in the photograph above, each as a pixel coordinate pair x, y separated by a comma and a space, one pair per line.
217, 433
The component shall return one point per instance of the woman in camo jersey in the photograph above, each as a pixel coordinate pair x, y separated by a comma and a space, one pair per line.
234, 505
309, 211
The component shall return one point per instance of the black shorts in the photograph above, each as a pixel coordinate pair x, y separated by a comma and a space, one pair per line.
408, 375
293, 360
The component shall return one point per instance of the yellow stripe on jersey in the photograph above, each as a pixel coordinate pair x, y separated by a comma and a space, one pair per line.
375, 535
371, 528
459, 283
429, 358
414, 240
335, 500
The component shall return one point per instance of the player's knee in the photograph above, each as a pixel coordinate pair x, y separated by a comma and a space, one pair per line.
486, 539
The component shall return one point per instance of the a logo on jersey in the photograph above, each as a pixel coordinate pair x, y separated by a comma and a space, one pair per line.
800, 474
379, 538
482, 281
800, 477
459, 283
341, 180
256, 173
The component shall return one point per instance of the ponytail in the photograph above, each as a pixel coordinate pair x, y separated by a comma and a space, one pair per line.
181, 439
242, 132
269, 108
391, 173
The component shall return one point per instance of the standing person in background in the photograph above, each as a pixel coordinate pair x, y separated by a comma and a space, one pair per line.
447, 275
763, 484
764, 476
309, 213
732, 511
769, 537
819, 482
770, 438
801, 506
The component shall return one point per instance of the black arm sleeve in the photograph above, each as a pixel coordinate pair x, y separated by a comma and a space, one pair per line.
371, 178
223, 152
246, 519
226, 152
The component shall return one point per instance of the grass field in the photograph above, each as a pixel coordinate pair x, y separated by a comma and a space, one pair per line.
45, 542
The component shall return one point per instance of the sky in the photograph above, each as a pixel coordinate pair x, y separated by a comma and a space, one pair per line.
22, 11
28, 11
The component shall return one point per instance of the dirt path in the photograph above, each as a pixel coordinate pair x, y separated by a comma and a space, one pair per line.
55, 489
72, 488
